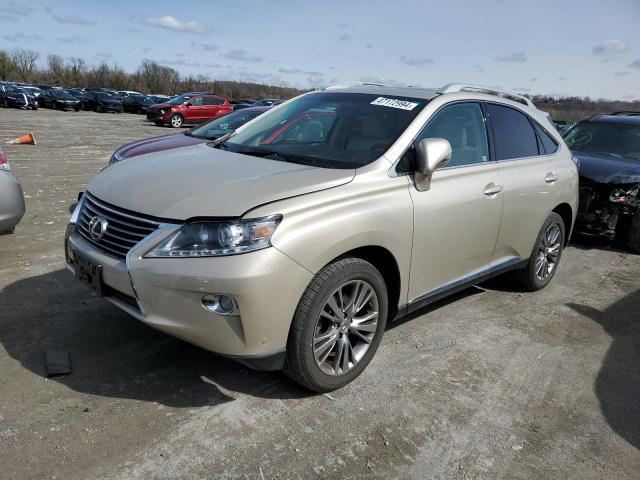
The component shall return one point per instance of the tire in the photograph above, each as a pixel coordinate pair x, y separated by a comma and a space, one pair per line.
633, 235
537, 275
311, 326
176, 120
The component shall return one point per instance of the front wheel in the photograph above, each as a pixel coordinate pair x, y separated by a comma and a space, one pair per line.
545, 258
337, 326
176, 120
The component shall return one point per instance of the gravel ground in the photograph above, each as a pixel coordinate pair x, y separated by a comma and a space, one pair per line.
492, 383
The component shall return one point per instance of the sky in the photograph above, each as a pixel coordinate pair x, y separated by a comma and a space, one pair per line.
554, 47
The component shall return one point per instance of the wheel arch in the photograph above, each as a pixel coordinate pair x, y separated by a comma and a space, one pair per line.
385, 262
566, 213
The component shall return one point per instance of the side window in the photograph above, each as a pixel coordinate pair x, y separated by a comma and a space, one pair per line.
463, 125
548, 143
213, 101
513, 133
196, 101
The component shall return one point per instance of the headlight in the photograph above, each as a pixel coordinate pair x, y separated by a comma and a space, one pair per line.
162, 112
626, 197
215, 239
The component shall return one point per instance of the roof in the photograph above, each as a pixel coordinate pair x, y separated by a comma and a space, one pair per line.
376, 89
620, 119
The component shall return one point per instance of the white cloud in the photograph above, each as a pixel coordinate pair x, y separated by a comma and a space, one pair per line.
415, 62
622, 74
610, 50
15, 9
515, 57
68, 18
242, 55
20, 36
171, 23
635, 64
77, 39
104, 55
344, 37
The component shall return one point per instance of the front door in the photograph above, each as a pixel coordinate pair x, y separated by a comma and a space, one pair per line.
196, 111
457, 220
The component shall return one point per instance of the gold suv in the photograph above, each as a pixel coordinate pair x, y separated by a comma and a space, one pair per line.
291, 242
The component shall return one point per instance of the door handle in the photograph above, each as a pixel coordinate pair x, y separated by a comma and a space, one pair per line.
492, 189
551, 177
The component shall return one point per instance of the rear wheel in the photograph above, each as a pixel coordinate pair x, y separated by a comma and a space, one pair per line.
337, 326
546, 255
176, 120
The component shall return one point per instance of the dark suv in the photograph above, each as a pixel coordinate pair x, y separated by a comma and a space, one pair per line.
189, 108
607, 148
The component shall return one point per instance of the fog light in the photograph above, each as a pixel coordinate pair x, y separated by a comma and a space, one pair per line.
220, 304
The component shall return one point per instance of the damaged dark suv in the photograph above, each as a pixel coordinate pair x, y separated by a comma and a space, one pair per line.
607, 148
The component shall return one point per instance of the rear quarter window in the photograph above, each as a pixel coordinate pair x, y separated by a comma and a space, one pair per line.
549, 145
513, 134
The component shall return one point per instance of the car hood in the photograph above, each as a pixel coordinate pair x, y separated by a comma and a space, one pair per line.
160, 106
20, 95
157, 144
602, 168
201, 181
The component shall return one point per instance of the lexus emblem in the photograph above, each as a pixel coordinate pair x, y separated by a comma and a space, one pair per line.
98, 227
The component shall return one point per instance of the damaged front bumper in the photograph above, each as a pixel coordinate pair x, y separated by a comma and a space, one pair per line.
598, 215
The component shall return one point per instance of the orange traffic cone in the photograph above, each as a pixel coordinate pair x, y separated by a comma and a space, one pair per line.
26, 139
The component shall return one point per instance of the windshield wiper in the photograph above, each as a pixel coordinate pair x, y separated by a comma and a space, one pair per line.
282, 157
221, 142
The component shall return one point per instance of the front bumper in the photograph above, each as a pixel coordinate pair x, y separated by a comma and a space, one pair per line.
600, 217
166, 293
156, 116
112, 108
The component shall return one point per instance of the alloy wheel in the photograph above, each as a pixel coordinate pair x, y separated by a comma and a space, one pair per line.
548, 252
345, 327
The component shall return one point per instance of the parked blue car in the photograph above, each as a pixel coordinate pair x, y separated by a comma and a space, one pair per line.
12, 96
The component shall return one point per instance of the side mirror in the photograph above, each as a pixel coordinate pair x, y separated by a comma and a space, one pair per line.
188, 104
431, 154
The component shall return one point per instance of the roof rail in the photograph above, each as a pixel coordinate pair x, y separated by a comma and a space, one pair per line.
352, 83
463, 87
629, 113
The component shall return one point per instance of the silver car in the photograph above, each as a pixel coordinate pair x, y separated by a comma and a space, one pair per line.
290, 243
11, 197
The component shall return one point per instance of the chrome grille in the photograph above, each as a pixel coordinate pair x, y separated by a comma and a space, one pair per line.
124, 229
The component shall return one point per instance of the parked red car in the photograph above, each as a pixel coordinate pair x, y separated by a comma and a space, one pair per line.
189, 108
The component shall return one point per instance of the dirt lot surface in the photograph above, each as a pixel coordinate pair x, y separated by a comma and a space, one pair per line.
490, 384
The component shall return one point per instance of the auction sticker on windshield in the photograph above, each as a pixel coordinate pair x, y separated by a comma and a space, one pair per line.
394, 103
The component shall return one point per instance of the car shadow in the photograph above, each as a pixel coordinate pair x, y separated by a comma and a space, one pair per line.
455, 297
114, 355
592, 242
618, 382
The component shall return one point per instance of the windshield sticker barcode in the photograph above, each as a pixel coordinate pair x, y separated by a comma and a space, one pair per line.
393, 103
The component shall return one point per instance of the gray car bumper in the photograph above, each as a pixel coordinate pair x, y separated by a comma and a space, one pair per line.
11, 201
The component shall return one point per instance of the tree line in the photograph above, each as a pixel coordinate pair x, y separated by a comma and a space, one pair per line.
150, 77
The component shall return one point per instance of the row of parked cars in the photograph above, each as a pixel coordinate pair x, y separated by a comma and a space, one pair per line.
188, 108
352, 206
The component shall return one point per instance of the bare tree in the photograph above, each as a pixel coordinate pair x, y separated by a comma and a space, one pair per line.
25, 62
7, 67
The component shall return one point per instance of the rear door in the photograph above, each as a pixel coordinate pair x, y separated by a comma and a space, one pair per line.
215, 107
528, 177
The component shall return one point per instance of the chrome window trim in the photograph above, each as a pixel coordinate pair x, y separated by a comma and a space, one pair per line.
394, 163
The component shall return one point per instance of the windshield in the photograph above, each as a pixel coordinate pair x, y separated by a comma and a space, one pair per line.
179, 100
617, 139
329, 129
63, 95
223, 125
